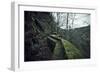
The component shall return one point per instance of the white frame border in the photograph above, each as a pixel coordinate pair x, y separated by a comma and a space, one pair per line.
15, 43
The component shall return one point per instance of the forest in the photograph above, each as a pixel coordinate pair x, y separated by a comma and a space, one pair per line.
56, 36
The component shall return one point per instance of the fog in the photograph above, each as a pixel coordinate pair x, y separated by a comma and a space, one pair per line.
71, 20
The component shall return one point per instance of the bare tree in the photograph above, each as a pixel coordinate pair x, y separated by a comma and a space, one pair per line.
67, 27
73, 18
58, 20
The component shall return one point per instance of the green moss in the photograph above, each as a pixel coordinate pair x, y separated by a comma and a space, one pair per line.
71, 51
